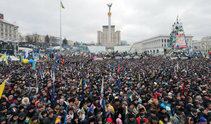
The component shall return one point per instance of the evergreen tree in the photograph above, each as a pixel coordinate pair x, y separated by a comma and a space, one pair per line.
64, 42
47, 39
177, 36
29, 39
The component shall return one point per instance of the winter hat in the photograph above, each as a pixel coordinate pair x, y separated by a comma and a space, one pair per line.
58, 120
109, 120
3, 118
131, 115
25, 101
202, 119
22, 114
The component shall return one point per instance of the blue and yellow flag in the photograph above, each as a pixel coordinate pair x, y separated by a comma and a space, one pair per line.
2, 88
4, 58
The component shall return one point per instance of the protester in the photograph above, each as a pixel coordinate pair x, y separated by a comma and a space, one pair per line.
76, 89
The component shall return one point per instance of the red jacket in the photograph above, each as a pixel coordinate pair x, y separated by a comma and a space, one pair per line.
143, 120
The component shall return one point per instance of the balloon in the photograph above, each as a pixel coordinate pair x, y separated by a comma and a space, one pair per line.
25, 61
31, 61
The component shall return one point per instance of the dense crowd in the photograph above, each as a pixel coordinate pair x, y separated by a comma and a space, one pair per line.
149, 90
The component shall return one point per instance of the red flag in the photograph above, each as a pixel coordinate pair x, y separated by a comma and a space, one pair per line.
183, 89
118, 69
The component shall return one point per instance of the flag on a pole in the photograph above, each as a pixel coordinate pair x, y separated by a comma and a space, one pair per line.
62, 6
102, 94
102, 88
26, 55
83, 89
34, 65
53, 94
4, 58
118, 68
2, 86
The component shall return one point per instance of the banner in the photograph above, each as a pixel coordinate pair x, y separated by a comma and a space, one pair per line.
2, 86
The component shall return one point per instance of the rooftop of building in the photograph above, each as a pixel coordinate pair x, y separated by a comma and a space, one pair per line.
106, 26
4, 21
159, 36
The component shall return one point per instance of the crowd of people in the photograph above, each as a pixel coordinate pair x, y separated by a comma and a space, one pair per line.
83, 90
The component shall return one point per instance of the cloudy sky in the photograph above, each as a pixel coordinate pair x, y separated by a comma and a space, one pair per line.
136, 19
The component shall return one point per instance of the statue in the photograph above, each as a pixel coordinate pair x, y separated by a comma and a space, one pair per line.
109, 6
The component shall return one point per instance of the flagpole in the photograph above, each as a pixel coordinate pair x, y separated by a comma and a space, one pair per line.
60, 24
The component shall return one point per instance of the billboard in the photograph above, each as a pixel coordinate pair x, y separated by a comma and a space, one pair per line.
180, 41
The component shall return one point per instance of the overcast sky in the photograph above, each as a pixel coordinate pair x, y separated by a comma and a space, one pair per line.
81, 19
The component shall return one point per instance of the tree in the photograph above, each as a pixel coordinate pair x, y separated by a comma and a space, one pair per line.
29, 39
177, 36
64, 42
47, 39
76, 43
36, 38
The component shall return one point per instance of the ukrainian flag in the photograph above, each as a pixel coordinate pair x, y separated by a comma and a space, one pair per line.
4, 58
2, 86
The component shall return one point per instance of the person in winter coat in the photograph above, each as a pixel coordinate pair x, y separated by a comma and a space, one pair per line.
119, 119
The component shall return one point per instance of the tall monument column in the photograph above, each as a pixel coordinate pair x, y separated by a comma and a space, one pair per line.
109, 23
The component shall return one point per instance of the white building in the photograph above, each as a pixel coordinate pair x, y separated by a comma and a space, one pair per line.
55, 40
38, 38
35, 38
196, 45
70, 42
122, 49
155, 45
206, 44
203, 45
103, 37
97, 49
8, 31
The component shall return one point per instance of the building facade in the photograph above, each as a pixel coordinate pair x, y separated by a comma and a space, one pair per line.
155, 45
203, 45
103, 37
35, 38
55, 41
206, 44
122, 49
196, 45
8, 31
